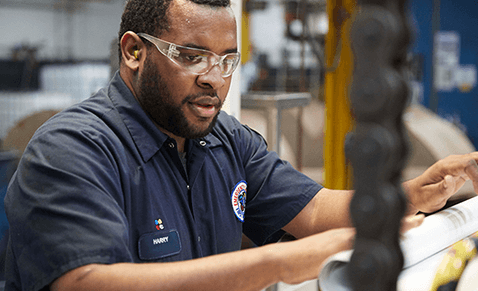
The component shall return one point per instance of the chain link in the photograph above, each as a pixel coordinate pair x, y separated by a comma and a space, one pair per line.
377, 148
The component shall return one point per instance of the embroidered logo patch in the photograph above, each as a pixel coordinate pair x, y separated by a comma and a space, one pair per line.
238, 199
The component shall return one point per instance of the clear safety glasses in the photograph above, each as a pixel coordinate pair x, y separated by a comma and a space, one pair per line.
197, 61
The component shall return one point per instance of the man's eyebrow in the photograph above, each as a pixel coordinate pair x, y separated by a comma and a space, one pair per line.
192, 45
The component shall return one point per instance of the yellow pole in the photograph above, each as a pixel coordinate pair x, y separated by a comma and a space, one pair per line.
337, 172
246, 48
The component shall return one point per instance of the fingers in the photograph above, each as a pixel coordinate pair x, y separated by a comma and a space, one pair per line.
430, 191
434, 196
451, 184
462, 165
471, 170
448, 185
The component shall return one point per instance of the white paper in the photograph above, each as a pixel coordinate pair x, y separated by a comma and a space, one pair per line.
423, 248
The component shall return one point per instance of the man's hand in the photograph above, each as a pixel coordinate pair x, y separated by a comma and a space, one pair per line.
431, 190
411, 221
303, 259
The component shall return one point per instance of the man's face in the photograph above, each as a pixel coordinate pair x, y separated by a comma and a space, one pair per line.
180, 102
170, 114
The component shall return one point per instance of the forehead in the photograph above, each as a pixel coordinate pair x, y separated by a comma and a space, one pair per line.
201, 25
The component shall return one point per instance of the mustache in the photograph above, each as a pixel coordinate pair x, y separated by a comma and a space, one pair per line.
194, 98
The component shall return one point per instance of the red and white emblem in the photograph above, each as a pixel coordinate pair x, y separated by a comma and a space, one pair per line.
238, 199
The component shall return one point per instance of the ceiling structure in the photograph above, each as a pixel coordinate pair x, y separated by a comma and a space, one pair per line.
64, 5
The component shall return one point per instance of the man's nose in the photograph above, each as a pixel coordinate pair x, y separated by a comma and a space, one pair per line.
212, 78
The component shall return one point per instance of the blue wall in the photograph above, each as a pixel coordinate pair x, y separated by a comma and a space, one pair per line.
8, 163
459, 16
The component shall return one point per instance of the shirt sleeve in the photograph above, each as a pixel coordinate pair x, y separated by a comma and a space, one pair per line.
64, 206
276, 191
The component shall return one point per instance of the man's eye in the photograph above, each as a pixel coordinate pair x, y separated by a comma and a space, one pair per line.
192, 59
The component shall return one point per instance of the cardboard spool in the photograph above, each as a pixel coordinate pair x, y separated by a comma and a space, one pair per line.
20, 134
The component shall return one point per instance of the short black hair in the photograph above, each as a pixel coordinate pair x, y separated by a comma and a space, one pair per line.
149, 16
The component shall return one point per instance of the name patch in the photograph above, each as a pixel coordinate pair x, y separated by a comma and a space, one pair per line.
238, 200
157, 245
161, 240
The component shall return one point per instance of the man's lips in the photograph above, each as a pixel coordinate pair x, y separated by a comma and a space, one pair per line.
205, 106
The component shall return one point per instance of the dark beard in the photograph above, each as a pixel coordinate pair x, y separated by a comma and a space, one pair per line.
156, 100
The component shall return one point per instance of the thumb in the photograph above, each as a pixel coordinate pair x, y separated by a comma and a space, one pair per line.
453, 183
448, 185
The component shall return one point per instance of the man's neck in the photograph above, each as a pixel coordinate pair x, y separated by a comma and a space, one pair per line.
180, 141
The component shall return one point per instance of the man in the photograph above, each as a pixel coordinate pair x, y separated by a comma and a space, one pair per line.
147, 185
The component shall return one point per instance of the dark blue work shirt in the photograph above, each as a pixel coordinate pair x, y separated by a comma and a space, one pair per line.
99, 183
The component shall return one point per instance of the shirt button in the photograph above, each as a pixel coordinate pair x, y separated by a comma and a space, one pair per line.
187, 186
171, 145
199, 238
203, 143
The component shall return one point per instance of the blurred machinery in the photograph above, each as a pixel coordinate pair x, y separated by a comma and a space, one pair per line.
302, 57
67, 5
306, 25
20, 72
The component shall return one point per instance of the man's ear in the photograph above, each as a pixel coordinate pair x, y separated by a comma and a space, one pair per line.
132, 50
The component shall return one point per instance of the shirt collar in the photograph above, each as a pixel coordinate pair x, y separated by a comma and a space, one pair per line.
146, 136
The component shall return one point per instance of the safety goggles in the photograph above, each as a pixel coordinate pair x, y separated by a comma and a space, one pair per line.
198, 61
